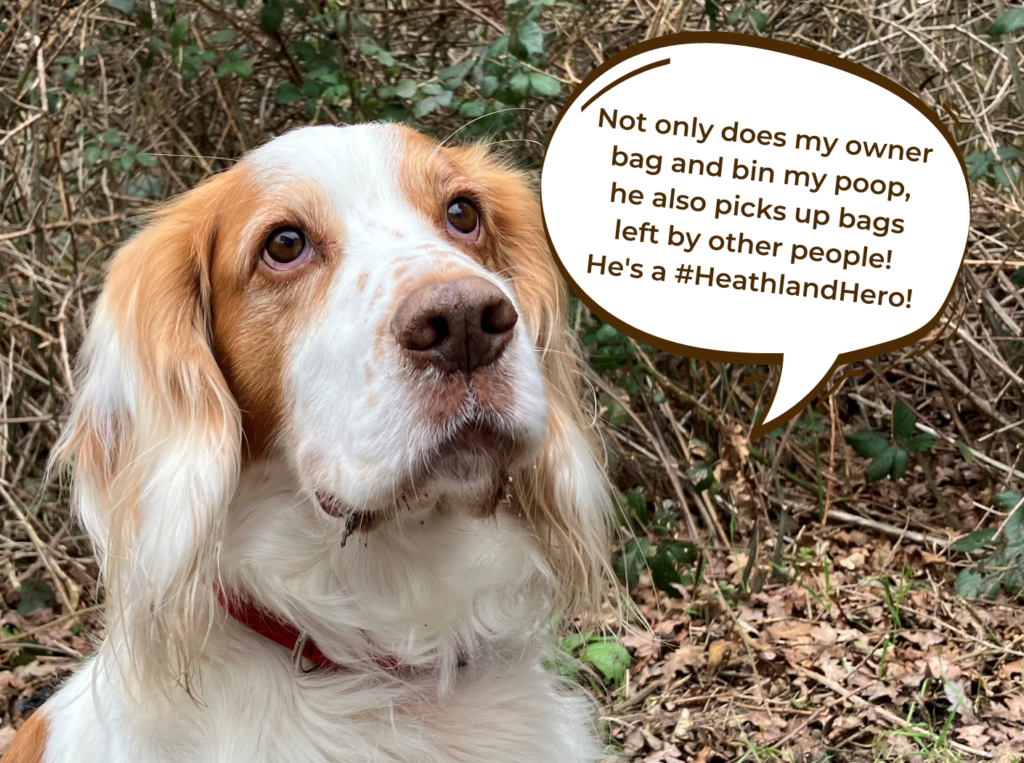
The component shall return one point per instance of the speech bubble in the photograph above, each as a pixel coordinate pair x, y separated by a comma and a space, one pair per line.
740, 199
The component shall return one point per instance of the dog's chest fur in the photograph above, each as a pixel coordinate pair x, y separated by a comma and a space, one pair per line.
440, 589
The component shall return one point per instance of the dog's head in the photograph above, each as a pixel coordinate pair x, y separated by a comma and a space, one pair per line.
376, 312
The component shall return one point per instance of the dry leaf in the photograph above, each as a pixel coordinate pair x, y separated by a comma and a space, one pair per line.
686, 659
716, 653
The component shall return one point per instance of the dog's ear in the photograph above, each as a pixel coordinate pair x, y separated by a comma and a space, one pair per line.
154, 433
565, 494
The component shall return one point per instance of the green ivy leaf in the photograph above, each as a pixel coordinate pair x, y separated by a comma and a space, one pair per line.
867, 444
664, 573
629, 562
544, 85
758, 20
903, 421
1010, 22
608, 656
881, 466
974, 540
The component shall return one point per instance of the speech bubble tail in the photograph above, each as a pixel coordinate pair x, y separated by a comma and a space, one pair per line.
802, 377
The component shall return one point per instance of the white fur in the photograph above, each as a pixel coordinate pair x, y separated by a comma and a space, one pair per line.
437, 584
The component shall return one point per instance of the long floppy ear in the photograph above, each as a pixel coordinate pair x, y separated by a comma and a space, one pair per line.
565, 494
154, 437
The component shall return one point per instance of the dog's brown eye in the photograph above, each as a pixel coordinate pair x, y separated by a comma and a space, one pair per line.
463, 219
286, 247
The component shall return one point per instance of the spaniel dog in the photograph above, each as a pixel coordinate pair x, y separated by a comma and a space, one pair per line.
329, 447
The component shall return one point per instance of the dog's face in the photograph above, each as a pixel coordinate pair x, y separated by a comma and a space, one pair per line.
365, 315
375, 314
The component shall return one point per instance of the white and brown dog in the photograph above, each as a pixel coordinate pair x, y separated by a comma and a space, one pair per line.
329, 447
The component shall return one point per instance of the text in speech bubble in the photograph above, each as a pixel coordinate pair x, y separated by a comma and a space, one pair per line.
745, 200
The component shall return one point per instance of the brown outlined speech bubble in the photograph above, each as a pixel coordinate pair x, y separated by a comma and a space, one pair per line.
740, 199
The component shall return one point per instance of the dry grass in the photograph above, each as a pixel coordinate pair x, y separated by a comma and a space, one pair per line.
63, 215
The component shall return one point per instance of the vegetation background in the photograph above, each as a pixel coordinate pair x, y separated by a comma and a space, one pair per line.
847, 588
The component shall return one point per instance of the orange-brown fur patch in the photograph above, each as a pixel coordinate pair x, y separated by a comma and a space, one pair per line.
257, 313
29, 743
364, 278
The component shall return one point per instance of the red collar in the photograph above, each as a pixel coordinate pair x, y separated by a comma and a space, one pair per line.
287, 635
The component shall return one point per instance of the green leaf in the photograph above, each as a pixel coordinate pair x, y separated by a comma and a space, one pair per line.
1010, 22
431, 88
978, 165
242, 68
1006, 501
903, 421
966, 452
758, 20
544, 85
700, 475
608, 656
867, 444
473, 109
488, 86
920, 443
458, 72
146, 160
287, 93
223, 35
271, 16
974, 540
971, 584
520, 82
683, 552
423, 107
573, 641
629, 562
1006, 176
405, 89
122, 6
177, 33
444, 98
1017, 277
35, 594
531, 38
899, 464
1007, 153
881, 466
664, 573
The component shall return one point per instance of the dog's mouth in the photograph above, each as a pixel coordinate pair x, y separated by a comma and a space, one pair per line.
474, 452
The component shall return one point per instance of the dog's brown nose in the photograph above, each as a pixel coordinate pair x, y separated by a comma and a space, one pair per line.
458, 325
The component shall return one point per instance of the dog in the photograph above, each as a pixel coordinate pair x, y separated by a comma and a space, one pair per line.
329, 445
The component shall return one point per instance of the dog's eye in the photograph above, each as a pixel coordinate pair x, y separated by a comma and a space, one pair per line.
463, 219
285, 248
